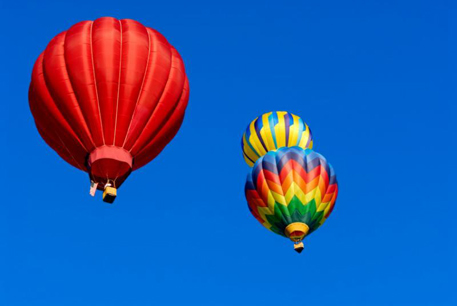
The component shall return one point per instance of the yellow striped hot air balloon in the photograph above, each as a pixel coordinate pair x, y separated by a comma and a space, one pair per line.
272, 131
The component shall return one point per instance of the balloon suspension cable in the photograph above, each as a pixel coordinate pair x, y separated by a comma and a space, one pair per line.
108, 184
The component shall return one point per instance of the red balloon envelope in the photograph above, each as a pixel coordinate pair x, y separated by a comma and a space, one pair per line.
107, 96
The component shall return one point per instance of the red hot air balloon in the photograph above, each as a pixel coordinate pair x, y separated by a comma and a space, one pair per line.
107, 96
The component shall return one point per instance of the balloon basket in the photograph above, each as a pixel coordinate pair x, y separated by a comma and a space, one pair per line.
298, 247
109, 195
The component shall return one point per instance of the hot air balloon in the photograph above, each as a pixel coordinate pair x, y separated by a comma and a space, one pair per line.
107, 96
291, 191
272, 131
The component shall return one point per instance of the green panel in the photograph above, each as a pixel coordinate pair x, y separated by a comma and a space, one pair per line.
295, 212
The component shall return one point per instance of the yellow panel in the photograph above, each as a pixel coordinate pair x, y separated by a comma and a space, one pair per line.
254, 140
264, 211
314, 194
327, 208
323, 206
293, 132
266, 132
271, 199
300, 194
290, 193
304, 138
279, 198
280, 131
248, 151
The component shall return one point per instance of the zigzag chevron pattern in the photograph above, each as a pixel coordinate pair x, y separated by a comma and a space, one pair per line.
291, 185
272, 131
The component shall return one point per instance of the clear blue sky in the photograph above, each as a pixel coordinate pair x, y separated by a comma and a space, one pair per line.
371, 78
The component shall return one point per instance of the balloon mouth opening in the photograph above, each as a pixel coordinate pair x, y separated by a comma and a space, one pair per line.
109, 163
296, 231
110, 152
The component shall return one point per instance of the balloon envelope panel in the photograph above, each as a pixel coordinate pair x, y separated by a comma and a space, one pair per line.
291, 185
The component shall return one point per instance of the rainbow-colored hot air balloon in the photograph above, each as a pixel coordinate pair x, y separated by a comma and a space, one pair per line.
272, 131
291, 191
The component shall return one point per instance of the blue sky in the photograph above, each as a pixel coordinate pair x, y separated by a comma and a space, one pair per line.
371, 78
